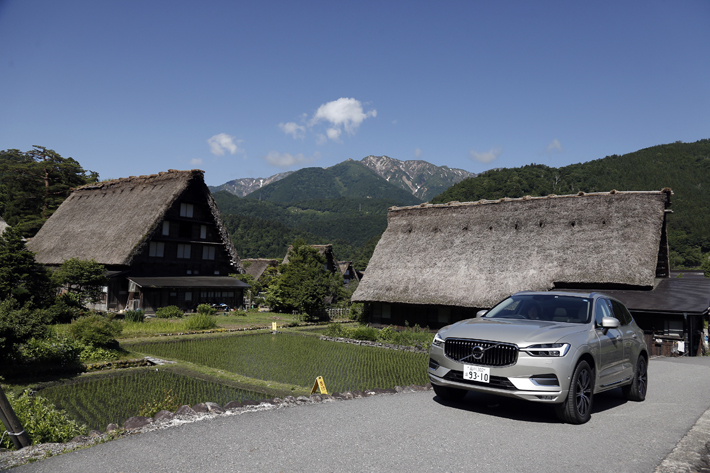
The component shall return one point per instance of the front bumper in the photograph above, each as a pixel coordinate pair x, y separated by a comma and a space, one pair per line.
528, 379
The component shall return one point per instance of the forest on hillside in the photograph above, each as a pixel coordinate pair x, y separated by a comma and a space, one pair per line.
684, 167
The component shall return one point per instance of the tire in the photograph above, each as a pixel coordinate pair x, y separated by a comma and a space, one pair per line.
636, 391
448, 394
577, 407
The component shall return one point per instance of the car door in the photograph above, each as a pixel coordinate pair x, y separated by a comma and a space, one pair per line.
611, 347
631, 340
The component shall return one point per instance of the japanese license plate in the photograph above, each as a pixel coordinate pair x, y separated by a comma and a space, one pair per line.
476, 373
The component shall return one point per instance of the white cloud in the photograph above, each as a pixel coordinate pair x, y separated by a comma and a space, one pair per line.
293, 129
195, 161
417, 153
486, 156
321, 139
285, 160
343, 114
554, 147
221, 143
333, 133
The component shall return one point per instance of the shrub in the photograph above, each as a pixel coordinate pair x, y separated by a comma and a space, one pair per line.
167, 402
91, 354
169, 312
42, 421
206, 309
199, 322
364, 333
357, 313
18, 325
336, 330
135, 315
95, 330
66, 308
52, 351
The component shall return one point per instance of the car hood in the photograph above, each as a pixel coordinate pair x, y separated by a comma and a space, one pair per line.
520, 332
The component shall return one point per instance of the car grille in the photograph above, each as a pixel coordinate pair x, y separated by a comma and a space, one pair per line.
494, 382
494, 353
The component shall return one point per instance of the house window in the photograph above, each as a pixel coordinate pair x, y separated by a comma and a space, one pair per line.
386, 311
157, 249
183, 251
166, 228
188, 296
217, 273
203, 232
208, 252
186, 210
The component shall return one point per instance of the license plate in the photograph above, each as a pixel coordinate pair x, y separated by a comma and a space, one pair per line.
476, 373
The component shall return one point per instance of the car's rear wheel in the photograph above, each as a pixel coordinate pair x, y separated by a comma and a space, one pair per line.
448, 394
577, 407
636, 391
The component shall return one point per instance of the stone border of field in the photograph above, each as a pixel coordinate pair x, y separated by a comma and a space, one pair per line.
368, 343
184, 415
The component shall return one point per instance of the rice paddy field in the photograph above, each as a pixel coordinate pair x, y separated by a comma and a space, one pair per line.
100, 401
297, 359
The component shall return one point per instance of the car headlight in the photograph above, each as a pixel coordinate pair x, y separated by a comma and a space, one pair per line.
438, 341
547, 349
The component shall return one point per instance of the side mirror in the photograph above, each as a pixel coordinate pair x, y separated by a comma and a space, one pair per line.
481, 313
610, 322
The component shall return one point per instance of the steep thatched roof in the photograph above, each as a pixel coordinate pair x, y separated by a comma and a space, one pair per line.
475, 254
257, 266
111, 221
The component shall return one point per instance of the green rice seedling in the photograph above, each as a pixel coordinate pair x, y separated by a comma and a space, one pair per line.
294, 359
101, 400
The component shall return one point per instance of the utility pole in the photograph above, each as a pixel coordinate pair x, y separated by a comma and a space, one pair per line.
12, 423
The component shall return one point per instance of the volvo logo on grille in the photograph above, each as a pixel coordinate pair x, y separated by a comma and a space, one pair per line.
477, 352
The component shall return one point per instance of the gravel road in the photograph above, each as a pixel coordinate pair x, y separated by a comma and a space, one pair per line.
416, 432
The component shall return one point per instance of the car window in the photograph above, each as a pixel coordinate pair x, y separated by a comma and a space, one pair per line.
549, 307
602, 310
621, 313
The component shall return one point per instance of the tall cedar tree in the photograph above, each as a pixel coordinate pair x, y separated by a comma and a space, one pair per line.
304, 284
21, 277
34, 183
85, 278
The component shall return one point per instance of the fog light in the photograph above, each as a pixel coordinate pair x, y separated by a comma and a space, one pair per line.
546, 398
433, 365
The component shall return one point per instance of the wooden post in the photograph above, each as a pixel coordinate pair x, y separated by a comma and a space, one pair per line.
12, 423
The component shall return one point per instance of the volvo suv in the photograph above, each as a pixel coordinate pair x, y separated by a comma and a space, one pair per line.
558, 348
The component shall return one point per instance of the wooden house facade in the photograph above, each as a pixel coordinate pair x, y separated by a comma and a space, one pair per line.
160, 237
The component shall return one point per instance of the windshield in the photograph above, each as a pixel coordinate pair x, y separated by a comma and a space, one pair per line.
554, 308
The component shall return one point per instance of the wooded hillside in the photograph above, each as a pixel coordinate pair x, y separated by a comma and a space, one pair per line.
684, 167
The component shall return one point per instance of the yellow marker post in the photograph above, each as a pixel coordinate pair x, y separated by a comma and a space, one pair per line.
319, 385
273, 326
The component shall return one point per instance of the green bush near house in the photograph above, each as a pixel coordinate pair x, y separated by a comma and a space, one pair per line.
95, 330
134, 316
169, 312
199, 322
206, 309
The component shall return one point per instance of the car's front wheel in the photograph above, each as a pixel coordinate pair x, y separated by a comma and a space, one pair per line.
577, 407
448, 394
636, 391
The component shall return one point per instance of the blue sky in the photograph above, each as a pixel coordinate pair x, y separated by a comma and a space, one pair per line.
250, 89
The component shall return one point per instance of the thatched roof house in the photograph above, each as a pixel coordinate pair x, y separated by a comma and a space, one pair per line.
472, 255
257, 266
163, 225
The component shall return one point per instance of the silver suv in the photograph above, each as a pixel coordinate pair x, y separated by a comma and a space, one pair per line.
553, 347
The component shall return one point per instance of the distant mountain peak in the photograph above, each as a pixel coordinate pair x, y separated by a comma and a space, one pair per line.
423, 179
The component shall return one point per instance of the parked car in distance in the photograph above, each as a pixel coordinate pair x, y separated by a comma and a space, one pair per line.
557, 348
